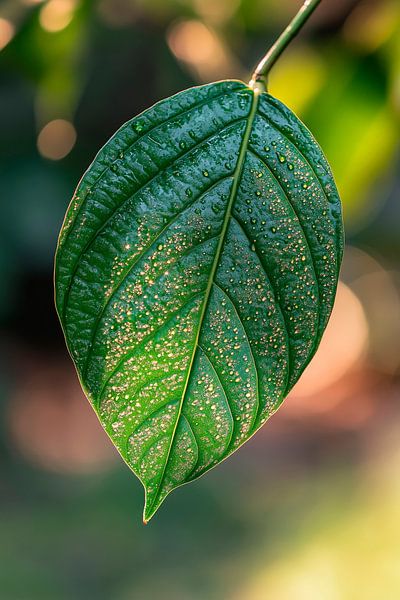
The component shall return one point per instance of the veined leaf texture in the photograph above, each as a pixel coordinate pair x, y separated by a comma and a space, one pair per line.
195, 274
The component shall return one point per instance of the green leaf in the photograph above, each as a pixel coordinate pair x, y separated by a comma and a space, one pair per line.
195, 274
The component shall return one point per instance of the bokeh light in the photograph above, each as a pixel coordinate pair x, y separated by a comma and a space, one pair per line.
56, 139
342, 347
56, 15
201, 49
59, 436
7, 31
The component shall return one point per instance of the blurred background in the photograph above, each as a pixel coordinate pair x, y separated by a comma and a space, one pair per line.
309, 509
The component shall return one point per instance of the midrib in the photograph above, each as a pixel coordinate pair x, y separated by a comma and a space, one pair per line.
236, 180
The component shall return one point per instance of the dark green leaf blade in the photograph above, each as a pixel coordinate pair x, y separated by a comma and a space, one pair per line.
195, 274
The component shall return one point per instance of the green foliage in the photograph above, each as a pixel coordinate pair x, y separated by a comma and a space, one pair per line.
195, 274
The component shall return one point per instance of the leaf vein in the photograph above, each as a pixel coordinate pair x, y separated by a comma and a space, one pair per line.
223, 391
256, 373
195, 441
158, 408
304, 157
117, 209
286, 195
237, 176
137, 260
276, 297
146, 339
130, 146
291, 142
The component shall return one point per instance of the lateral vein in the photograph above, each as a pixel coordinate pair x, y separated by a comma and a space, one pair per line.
236, 180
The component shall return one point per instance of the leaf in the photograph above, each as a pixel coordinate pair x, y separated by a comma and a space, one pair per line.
195, 274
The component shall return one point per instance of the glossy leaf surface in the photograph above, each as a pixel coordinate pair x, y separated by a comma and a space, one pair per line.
195, 274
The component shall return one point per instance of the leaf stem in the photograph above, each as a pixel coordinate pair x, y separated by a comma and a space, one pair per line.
260, 74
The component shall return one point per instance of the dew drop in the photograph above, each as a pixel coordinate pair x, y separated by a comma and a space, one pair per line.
137, 126
242, 101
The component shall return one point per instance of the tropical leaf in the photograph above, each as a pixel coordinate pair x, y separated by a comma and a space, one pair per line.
195, 274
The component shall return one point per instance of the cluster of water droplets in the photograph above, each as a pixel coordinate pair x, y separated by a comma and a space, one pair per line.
189, 327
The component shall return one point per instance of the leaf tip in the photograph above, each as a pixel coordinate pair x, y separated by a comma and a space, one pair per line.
148, 512
150, 508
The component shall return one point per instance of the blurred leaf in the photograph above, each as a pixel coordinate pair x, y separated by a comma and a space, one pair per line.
354, 125
298, 77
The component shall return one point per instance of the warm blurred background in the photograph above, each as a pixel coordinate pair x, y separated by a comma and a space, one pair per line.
309, 509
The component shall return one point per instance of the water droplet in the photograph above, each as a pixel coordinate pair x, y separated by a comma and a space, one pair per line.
137, 126
188, 192
205, 173
242, 101
182, 145
282, 159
